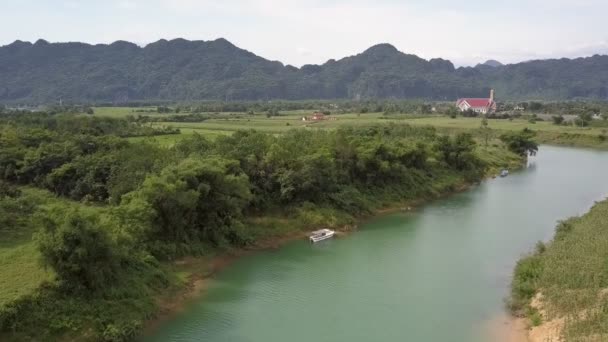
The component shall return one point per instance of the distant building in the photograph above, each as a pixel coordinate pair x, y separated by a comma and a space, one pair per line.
478, 105
318, 116
519, 108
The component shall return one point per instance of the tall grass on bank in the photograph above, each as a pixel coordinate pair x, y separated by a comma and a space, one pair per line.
571, 273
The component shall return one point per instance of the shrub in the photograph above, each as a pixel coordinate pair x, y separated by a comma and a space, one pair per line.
121, 332
558, 119
524, 283
78, 249
521, 143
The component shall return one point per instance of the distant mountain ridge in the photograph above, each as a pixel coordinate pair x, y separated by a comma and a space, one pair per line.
183, 70
492, 63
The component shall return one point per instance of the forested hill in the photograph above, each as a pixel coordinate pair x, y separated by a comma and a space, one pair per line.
181, 70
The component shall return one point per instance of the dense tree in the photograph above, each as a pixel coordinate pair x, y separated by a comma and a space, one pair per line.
195, 193
521, 142
457, 151
81, 158
194, 202
558, 119
78, 248
583, 119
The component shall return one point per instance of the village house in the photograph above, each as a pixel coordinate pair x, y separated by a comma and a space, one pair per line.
478, 105
318, 116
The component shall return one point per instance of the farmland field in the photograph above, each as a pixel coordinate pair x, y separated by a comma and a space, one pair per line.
226, 123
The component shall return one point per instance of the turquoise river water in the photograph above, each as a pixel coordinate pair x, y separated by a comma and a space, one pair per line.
438, 273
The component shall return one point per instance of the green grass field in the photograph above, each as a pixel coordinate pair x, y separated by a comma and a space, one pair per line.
120, 112
20, 270
499, 124
227, 123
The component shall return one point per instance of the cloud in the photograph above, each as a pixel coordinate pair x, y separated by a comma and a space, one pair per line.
127, 4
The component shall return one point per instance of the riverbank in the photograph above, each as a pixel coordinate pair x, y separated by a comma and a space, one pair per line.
195, 205
599, 141
561, 287
198, 271
546, 132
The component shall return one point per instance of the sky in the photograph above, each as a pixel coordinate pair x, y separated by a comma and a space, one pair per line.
298, 32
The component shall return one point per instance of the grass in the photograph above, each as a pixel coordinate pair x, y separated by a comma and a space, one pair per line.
501, 124
572, 274
31, 310
227, 123
121, 112
20, 270
162, 140
547, 132
497, 157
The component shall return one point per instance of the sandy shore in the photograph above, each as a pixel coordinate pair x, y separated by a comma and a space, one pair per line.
506, 328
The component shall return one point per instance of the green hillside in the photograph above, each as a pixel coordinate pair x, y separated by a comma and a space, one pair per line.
182, 70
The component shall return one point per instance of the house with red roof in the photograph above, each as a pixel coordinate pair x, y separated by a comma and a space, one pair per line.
318, 116
478, 105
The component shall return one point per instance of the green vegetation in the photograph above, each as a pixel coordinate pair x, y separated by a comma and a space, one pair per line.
19, 258
181, 70
521, 142
571, 274
214, 124
98, 217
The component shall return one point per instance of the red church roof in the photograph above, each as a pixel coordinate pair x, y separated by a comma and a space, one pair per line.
477, 103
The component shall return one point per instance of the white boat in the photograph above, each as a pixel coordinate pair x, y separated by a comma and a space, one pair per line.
320, 235
504, 173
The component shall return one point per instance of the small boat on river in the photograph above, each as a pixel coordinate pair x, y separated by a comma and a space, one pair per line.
504, 173
320, 235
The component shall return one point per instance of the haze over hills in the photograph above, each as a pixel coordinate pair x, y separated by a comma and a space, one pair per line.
182, 70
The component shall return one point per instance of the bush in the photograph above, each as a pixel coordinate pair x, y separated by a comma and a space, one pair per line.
525, 282
197, 200
535, 317
521, 143
457, 152
121, 332
80, 251
350, 200
558, 119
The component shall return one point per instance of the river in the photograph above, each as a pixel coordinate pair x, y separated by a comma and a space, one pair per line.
438, 273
